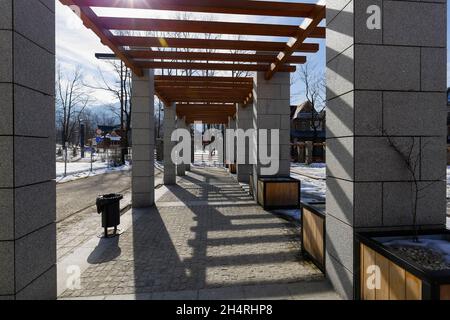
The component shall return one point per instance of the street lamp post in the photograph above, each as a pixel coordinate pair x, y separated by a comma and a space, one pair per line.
110, 56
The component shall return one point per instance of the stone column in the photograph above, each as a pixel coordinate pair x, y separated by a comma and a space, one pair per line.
387, 82
143, 138
169, 123
231, 156
181, 168
244, 121
271, 110
27, 150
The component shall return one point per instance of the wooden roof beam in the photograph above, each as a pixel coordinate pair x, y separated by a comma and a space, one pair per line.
206, 105
90, 20
204, 84
243, 45
206, 56
194, 79
209, 100
261, 8
305, 30
209, 66
192, 26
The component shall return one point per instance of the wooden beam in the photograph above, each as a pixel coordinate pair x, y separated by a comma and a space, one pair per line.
90, 20
209, 100
209, 66
260, 8
223, 91
243, 45
206, 56
203, 97
204, 84
218, 120
206, 105
193, 26
305, 31
200, 79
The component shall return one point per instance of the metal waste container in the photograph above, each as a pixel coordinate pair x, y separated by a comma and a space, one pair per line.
109, 206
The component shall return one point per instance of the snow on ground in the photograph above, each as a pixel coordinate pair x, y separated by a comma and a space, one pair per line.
308, 173
448, 182
313, 178
80, 170
78, 167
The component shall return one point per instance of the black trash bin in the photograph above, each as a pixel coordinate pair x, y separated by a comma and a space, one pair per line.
109, 206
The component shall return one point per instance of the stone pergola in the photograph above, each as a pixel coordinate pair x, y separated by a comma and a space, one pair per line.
390, 79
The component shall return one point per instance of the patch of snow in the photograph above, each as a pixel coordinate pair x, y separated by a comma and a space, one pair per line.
448, 182
313, 180
84, 172
78, 167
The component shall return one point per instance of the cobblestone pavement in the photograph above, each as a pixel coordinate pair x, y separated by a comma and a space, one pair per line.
78, 228
205, 234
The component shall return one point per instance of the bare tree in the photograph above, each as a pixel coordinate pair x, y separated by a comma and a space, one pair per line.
239, 73
72, 98
120, 90
314, 90
410, 154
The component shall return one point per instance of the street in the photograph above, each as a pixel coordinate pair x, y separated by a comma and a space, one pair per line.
76, 196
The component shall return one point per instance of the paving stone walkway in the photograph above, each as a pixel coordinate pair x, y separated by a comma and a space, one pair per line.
205, 238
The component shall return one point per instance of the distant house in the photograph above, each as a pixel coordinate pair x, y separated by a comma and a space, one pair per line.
302, 123
109, 137
307, 127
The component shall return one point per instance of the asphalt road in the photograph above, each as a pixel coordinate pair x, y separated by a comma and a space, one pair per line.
75, 196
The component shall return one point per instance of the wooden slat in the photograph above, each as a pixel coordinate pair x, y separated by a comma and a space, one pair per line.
261, 8
413, 287
302, 33
383, 292
397, 282
209, 66
369, 260
244, 45
90, 20
206, 56
192, 26
308, 232
445, 292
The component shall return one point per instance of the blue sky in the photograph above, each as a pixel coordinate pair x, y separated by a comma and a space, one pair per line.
76, 45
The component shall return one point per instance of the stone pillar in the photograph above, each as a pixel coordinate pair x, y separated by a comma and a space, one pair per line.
387, 82
169, 123
231, 156
309, 147
244, 121
271, 110
27, 150
143, 133
181, 168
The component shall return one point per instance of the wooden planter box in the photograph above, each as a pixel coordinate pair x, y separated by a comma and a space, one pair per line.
278, 192
250, 185
232, 167
400, 279
313, 233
